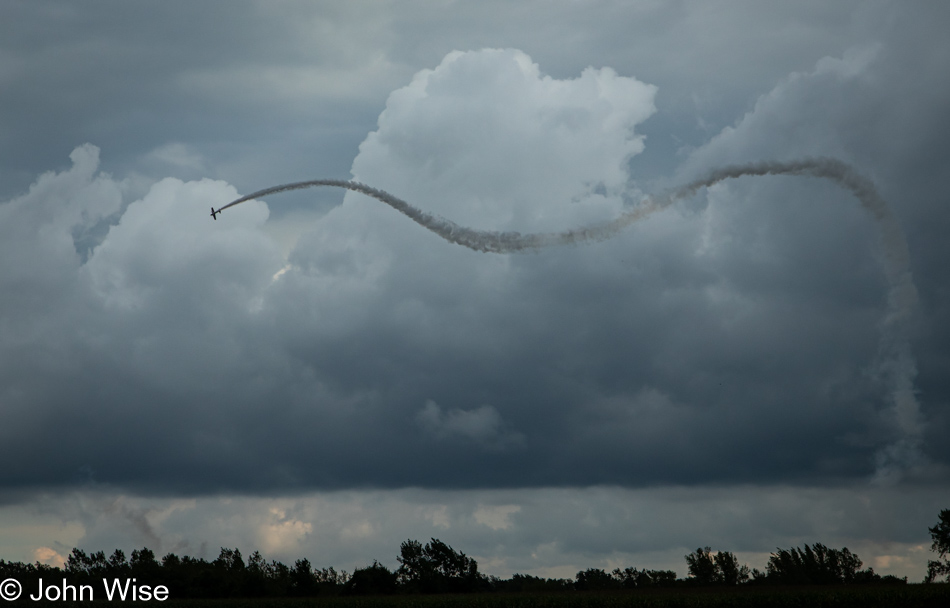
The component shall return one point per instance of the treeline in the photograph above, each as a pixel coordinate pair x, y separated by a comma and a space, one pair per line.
812, 565
431, 568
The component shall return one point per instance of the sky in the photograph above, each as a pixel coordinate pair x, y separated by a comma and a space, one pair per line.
760, 364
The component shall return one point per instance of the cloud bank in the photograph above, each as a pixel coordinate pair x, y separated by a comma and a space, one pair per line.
727, 348
201, 341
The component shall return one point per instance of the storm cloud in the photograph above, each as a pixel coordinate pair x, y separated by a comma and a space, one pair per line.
313, 351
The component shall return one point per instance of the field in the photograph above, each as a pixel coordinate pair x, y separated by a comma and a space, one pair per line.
909, 596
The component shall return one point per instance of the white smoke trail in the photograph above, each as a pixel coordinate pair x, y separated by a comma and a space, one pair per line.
897, 365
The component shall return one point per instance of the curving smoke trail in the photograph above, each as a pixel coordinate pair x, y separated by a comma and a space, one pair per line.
897, 364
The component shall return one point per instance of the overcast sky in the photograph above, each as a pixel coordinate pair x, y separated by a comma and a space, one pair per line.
314, 375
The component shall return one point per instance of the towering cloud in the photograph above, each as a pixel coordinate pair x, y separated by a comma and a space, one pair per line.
897, 362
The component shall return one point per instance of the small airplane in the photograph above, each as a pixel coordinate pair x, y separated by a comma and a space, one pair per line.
214, 214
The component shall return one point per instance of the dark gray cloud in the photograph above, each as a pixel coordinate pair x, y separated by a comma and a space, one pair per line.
310, 345
721, 331
222, 79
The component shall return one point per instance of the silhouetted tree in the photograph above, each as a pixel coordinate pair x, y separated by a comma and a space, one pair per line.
436, 568
595, 579
526, 583
815, 565
302, 579
371, 580
728, 570
941, 545
657, 578
85, 567
414, 568
631, 578
278, 570
329, 579
230, 559
256, 581
117, 563
723, 568
702, 566
143, 565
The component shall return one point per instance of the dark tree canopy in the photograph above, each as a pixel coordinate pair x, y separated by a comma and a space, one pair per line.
941, 545
372, 580
815, 565
436, 568
631, 578
595, 579
720, 569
